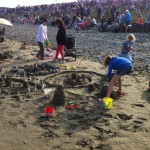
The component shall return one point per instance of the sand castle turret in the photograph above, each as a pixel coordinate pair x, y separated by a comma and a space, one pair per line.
59, 96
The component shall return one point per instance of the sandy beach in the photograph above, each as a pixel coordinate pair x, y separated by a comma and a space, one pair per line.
23, 125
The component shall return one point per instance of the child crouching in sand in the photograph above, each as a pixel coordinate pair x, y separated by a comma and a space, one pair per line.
122, 66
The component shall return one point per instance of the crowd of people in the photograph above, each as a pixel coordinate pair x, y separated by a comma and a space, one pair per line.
113, 15
123, 23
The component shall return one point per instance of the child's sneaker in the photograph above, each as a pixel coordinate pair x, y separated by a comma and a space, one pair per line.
62, 62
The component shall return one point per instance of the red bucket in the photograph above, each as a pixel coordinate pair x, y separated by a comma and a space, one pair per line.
49, 111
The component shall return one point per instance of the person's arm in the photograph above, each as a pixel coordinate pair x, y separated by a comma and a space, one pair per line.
64, 36
46, 38
109, 70
43, 33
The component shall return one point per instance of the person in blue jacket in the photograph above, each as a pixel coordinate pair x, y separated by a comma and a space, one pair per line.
122, 66
127, 19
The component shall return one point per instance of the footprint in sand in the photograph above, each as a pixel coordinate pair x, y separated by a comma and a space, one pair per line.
48, 135
138, 122
138, 125
138, 105
141, 118
82, 143
22, 124
125, 117
15, 105
75, 117
16, 97
68, 132
104, 147
108, 116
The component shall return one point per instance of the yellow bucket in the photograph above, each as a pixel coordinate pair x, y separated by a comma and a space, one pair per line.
107, 102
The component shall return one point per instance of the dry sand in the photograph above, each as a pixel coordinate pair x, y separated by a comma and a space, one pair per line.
23, 125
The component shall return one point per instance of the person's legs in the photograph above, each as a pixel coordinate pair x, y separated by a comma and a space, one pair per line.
144, 27
41, 51
105, 26
126, 28
37, 55
61, 51
102, 27
112, 82
119, 85
57, 51
137, 27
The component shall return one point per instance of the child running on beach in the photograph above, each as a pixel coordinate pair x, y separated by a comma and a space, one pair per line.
127, 47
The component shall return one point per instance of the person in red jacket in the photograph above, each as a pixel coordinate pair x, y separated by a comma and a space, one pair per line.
139, 22
61, 39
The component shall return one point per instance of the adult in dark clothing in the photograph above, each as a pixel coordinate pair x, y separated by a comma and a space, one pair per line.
81, 10
146, 25
99, 10
109, 20
104, 24
112, 13
61, 39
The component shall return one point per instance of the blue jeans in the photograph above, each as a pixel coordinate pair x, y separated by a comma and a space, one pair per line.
127, 56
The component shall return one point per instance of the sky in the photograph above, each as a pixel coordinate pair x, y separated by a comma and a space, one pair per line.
14, 3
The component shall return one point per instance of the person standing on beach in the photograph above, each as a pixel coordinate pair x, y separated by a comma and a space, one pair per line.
127, 18
42, 38
61, 39
127, 47
122, 66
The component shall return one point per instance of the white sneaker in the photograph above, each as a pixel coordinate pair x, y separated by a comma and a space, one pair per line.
62, 62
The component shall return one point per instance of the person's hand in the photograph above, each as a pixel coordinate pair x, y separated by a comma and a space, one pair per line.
131, 47
45, 40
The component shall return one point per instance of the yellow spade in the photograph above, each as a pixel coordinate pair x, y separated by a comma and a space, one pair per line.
49, 44
68, 67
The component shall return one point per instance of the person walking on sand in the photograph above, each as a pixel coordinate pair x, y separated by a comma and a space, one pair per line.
41, 38
61, 39
122, 66
127, 47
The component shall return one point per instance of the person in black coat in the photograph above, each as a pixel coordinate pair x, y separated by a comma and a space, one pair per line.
61, 39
